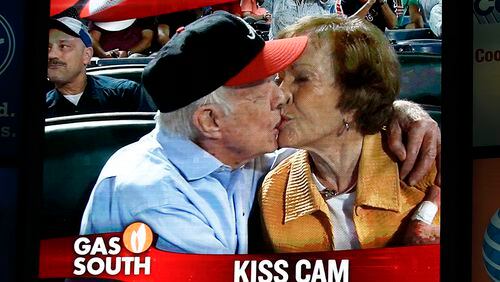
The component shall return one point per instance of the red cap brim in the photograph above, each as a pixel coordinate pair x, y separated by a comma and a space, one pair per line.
273, 58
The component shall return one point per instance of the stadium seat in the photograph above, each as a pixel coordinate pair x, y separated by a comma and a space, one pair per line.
97, 62
396, 35
132, 72
421, 78
76, 149
422, 46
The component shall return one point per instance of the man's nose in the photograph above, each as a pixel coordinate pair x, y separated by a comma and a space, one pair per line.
282, 98
53, 53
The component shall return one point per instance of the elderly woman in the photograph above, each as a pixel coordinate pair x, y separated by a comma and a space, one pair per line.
342, 189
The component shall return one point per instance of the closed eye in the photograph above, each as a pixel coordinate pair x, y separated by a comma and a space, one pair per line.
301, 79
278, 80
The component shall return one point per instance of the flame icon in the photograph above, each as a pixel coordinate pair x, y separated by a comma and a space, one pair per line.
137, 237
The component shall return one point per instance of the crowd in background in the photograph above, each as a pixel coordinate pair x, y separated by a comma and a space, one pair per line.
145, 36
73, 92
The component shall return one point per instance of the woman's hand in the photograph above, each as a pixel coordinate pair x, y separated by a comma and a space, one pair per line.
421, 231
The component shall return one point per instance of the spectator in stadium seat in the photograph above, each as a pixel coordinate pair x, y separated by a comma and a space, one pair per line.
167, 24
193, 178
287, 12
69, 52
121, 39
425, 11
382, 13
252, 9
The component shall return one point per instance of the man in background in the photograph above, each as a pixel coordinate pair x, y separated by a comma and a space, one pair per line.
121, 39
69, 53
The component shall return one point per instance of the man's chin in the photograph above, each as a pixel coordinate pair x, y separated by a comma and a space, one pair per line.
54, 78
283, 142
273, 146
268, 147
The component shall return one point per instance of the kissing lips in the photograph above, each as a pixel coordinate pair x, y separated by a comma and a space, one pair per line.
283, 122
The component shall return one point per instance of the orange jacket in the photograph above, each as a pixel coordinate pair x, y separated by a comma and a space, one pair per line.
295, 217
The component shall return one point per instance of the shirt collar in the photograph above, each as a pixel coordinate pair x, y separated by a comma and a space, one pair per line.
191, 160
377, 186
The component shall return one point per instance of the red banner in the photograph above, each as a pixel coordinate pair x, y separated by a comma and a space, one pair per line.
95, 256
105, 11
57, 6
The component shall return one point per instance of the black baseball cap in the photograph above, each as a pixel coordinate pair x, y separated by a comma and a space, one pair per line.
216, 50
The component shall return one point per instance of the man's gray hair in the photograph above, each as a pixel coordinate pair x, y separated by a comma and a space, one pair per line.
181, 121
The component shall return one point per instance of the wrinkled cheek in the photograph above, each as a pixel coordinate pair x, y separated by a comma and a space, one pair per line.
288, 137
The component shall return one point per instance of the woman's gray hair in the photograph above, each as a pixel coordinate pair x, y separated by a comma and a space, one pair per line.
181, 121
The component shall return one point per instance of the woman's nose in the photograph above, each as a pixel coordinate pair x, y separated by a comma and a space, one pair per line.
282, 98
286, 92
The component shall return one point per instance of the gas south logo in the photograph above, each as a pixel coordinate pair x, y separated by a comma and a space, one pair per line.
137, 237
99, 255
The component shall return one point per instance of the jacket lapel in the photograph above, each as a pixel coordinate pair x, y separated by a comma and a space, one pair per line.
378, 177
301, 194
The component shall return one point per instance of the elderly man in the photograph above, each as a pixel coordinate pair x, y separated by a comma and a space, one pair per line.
194, 177
70, 51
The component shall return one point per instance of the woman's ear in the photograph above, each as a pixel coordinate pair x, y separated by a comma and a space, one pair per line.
350, 116
207, 120
348, 120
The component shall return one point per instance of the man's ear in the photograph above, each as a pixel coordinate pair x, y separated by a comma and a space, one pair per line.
88, 52
207, 120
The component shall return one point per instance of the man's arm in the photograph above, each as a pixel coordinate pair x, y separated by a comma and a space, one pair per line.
363, 11
96, 45
423, 145
145, 43
416, 19
181, 230
163, 33
423, 228
390, 18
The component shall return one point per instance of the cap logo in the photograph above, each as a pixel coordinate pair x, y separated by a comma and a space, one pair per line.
251, 31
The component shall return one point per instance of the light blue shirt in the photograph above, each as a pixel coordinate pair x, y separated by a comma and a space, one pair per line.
195, 203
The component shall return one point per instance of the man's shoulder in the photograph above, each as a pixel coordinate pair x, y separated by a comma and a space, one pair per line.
142, 162
102, 81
